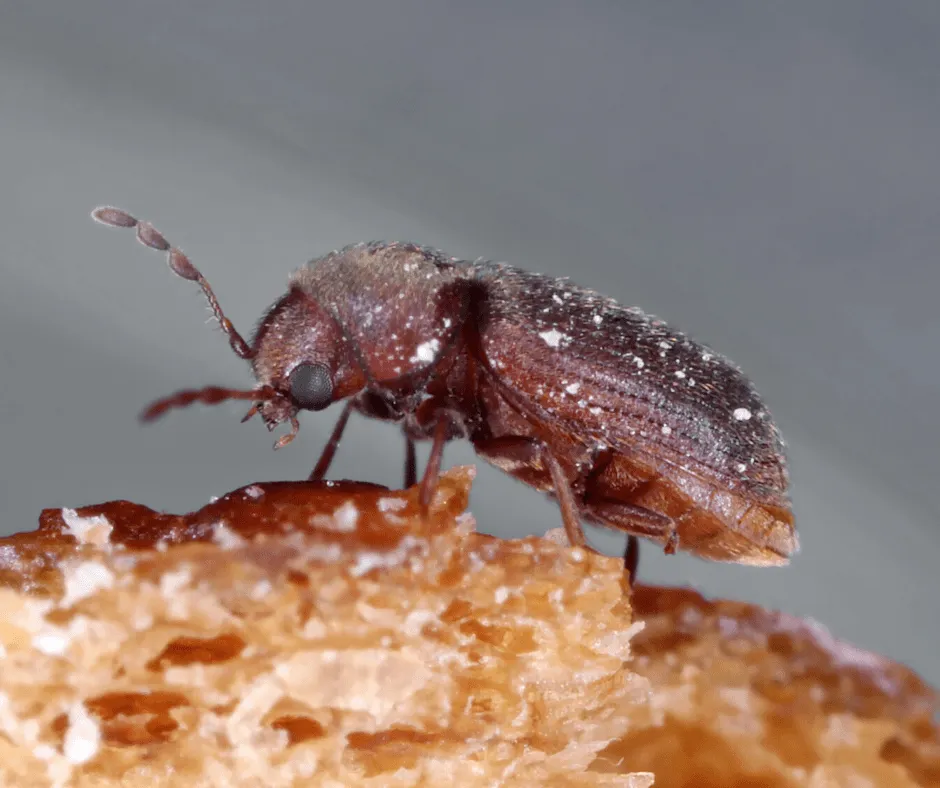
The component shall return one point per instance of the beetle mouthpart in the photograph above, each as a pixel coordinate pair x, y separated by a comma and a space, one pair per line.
285, 439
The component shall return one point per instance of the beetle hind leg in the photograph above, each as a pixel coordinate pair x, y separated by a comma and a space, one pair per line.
632, 519
529, 459
631, 558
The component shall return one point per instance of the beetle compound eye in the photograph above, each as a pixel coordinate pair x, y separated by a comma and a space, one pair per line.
311, 386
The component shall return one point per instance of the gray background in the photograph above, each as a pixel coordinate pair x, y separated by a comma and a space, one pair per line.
765, 176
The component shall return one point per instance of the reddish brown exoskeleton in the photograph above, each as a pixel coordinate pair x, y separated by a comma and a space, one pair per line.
628, 423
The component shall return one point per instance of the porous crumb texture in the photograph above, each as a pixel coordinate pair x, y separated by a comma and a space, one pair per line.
746, 697
297, 634
357, 648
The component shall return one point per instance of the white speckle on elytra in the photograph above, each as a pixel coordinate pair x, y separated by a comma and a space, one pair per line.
666, 429
742, 414
665, 345
552, 338
598, 320
573, 388
639, 362
741, 467
707, 356
680, 374
426, 351
556, 299
595, 411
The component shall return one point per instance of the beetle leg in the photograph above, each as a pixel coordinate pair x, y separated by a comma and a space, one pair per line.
512, 452
411, 463
326, 456
432, 470
601, 457
632, 519
569, 506
631, 558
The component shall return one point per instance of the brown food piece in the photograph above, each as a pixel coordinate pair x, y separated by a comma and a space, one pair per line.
744, 696
323, 634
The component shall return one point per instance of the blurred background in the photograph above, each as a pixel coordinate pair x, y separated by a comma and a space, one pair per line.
764, 176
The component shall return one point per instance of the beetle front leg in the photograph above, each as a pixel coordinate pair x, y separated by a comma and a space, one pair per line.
329, 451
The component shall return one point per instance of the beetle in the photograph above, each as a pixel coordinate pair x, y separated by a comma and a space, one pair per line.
628, 423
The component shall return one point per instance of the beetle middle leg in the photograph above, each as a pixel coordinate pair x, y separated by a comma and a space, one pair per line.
447, 424
432, 470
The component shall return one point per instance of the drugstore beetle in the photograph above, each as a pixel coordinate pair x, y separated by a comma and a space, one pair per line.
627, 423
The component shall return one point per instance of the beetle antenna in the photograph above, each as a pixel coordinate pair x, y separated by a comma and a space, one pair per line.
179, 263
211, 395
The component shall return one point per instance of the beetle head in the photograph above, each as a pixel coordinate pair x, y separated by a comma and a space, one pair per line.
392, 308
301, 355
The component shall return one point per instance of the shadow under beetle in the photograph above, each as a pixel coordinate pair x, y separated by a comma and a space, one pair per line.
627, 423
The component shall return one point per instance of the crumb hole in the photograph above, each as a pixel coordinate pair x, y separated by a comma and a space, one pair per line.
189, 651
299, 728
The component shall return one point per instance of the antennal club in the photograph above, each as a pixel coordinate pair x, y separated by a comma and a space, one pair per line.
179, 263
